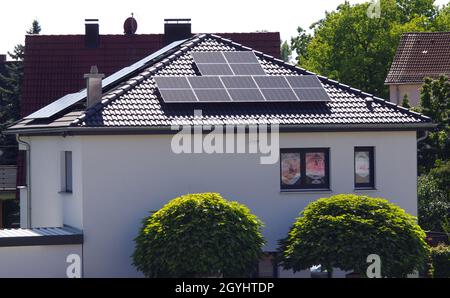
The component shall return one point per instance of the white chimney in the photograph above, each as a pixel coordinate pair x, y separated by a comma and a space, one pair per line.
93, 86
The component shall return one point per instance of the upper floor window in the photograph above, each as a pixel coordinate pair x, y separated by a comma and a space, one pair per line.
364, 167
305, 168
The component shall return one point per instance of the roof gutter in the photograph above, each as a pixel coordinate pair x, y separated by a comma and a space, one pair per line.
167, 129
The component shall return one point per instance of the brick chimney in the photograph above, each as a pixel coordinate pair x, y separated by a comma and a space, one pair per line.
93, 86
91, 37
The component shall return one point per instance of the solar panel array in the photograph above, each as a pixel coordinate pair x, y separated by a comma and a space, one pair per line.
227, 63
248, 88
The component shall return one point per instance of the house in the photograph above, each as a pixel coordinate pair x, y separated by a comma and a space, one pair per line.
101, 159
419, 55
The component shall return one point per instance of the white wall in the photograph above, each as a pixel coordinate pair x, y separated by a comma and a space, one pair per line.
397, 92
36, 261
125, 177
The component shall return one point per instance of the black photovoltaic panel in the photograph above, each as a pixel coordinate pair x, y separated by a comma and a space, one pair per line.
239, 82
307, 81
208, 57
241, 89
246, 95
312, 94
247, 69
214, 69
212, 95
172, 82
271, 82
279, 94
178, 95
241, 57
206, 82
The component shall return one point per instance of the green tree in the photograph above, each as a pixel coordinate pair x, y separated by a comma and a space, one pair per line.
285, 51
357, 50
341, 231
442, 20
435, 103
405, 102
10, 91
299, 44
199, 235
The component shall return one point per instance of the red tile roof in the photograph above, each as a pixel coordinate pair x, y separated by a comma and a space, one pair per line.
55, 64
419, 55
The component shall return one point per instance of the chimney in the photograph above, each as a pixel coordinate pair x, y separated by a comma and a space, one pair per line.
93, 86
176, 29
91, 37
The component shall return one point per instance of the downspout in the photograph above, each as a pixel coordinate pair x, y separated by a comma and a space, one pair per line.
424, 137
28, 179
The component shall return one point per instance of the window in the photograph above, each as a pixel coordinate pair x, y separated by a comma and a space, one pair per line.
364, 167
305, 169
67, 172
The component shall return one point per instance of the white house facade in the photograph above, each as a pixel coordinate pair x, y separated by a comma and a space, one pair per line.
100, 161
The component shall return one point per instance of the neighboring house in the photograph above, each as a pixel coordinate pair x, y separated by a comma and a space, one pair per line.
419, 55
100, 160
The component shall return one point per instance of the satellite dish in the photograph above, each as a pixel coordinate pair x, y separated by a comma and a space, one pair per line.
130, 25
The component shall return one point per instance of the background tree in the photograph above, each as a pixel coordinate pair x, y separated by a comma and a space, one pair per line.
405, 102
10, 91
299, 44
435, 103
199, 235
341, 231
354, 49
285, 51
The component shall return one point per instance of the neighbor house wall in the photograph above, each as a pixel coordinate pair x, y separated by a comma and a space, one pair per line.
126, 177
36, 261
50, 207
397, 92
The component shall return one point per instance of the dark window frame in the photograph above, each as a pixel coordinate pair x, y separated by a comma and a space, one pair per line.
303, 186
68, 172
371, 184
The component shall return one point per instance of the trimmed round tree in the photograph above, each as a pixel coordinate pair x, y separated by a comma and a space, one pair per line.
343, 230
199, 235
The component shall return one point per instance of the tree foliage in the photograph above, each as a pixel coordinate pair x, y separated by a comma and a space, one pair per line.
199, 235
435, 103
341, 231
285, 51
352, 48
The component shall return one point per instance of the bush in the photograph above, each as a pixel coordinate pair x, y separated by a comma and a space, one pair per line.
199, 235
440, 256
341, 231
434, 204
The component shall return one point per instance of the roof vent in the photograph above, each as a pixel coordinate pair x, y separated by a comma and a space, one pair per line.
91, 37
130, 25
93, 86
176, 29
369, 102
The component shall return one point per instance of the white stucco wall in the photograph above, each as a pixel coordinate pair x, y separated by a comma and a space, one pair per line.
36, 261
397, 92
124, 177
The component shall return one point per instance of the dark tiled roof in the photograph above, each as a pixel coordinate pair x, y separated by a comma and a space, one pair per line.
55, 64
137, 103
420, 55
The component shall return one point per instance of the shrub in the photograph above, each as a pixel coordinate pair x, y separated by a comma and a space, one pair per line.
341, 231
440, 256
199, 235
434, 207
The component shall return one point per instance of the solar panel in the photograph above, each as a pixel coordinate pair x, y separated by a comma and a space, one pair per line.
208, 57
206, 82
307, 81
271, 82
172, 82
214, 69
178, 95
246, 95
312, 94
239, 82
279, 94
241, 57
212, 95
71, 99
247, 69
